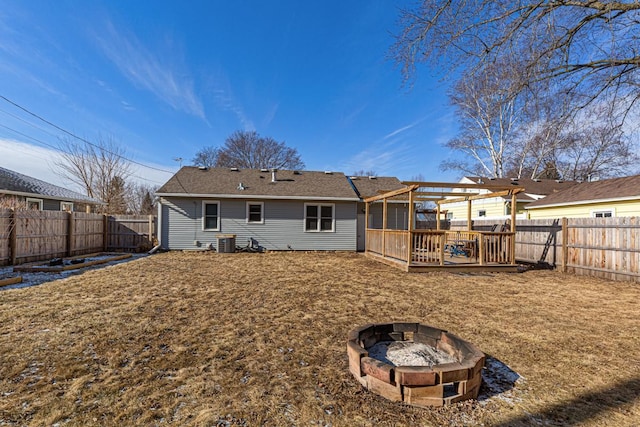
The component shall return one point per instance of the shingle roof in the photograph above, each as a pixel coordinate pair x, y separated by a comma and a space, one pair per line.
585, 192
226, 182
372, 186
533, 187
16, 183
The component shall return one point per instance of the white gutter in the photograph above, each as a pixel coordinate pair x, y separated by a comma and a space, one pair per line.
255, 196
585, 202
46, 196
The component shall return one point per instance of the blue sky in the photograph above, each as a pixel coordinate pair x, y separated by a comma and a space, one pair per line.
168, 78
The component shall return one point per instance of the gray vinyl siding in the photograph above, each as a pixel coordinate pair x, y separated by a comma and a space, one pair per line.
396, 216
283, 227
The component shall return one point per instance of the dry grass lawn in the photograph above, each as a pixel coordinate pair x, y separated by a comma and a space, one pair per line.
209, 339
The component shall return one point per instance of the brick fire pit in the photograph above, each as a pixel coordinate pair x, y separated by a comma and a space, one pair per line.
443, 368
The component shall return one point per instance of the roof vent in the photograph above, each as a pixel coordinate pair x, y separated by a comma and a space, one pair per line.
480, 181
559, 180
328, 172
353, 178
203, 168
514, 182
491, 179
537, 180
264, 170
372, 177
514, 179
241, 187
274, 178
234, 169
297, 173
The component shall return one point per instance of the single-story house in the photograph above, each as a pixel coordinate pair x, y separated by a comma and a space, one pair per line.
616, 197
278, 209
499, 208
18, 190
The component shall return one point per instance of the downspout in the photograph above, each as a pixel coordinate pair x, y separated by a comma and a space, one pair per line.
160, 235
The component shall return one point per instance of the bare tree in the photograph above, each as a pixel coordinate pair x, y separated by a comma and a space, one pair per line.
363, 172
245, 149
591, 48
206, 157
511, 128
543, 130
488, 110
94, 166
116, 197
599, 148
140, 199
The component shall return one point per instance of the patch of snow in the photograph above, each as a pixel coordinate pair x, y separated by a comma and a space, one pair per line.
37, 278
408, 353
499, 382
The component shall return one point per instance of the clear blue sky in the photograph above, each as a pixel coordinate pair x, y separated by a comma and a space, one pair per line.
168, 78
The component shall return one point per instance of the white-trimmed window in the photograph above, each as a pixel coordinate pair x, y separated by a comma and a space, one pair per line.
34, 204
482, 212
255, 212
604, 213
210, 216
66, 206
319, 217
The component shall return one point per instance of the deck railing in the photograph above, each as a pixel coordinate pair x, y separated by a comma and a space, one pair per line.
434, 246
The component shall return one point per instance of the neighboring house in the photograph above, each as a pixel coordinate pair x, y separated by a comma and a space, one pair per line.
368, 186
615, 197
17, 189
499, 208
280, 209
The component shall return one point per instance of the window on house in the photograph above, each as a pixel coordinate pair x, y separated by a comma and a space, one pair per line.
66, 206
449, 215
482, 212
318, 217
602, 214
34, 204
211, 216
255, 212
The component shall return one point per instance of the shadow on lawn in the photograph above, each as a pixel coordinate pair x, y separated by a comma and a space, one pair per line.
580, 409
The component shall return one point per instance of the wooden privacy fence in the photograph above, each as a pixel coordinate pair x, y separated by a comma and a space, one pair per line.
27, 235
603, 247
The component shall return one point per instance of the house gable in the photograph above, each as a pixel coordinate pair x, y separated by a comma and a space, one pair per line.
51, 197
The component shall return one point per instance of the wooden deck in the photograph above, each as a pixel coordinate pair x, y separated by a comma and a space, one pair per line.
438, 250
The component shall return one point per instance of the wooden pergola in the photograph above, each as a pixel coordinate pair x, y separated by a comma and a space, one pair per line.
436, 249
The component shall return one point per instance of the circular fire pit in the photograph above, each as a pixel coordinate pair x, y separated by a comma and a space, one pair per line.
416, 364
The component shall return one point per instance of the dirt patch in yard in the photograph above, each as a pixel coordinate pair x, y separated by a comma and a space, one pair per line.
259, 339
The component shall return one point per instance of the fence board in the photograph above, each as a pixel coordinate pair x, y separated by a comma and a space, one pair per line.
604, 247
88, 233
130, 232
6, 225
29, 235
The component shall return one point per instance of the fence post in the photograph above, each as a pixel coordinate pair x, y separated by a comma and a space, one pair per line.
70, 234
105, 232
13, 236
565, 247
410, 225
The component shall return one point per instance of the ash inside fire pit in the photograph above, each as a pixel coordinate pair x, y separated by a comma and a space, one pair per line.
414, 363
407, 353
